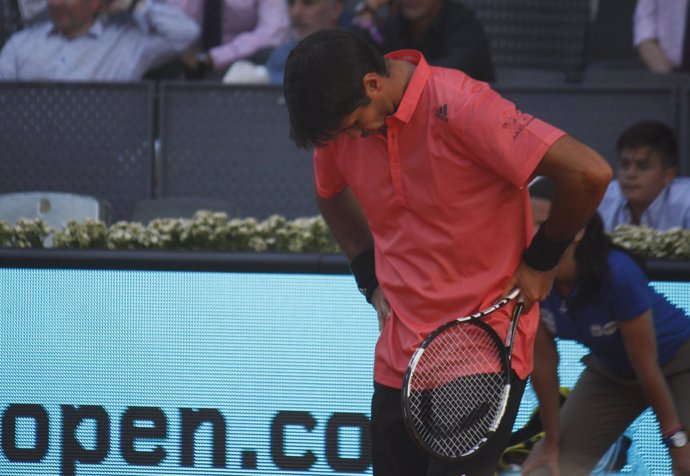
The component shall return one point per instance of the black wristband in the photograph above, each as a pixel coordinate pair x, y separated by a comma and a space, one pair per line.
544, 253
364, 270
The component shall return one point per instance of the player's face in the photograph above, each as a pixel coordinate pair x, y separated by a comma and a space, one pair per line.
369, 119
642, 175
363, 121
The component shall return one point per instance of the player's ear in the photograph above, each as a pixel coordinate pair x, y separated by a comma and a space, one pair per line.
579, 235
372, 83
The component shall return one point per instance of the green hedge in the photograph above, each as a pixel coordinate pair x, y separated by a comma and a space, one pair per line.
215, 231
205, 231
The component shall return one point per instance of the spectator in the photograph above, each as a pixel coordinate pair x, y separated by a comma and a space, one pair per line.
639, 355
445, 31
647, 191
306, 17
662, 36
10, 19
232, 31
79, 44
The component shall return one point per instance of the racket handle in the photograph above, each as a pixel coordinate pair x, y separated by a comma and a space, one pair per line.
513, 293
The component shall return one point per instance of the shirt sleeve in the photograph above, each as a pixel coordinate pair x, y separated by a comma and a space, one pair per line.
629, 295
644, 21
271, 30
174, 29
8, 61
158, 33
328, 179
494, 133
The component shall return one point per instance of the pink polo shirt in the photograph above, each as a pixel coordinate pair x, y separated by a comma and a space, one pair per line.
444, 193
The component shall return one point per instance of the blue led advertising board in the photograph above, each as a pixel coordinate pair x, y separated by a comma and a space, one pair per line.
123, 372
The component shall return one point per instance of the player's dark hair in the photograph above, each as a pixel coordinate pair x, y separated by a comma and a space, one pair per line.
654, 134
323, 83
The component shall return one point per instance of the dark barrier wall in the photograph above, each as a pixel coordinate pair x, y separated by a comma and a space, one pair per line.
169, 364
92, 139
231, 144
684, 132
596, 115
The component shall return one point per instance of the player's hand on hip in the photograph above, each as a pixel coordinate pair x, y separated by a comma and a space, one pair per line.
534, 285
542, 460
380, 303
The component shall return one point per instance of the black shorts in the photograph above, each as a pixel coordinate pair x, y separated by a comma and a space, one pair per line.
395, 453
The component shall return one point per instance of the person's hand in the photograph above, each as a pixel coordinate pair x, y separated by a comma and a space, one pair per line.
542, 455
681, 460
380, 303
188, 59
534, 285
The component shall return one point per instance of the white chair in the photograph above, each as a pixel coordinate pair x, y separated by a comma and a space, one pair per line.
55, 208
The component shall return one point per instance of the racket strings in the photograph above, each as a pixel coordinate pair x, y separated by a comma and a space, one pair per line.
456, 390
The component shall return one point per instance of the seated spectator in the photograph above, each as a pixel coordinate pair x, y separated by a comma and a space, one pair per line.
232, 31
647, 191
306, 17
445, 31
80, 44
661, 34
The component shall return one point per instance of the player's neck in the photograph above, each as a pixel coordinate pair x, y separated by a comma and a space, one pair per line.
400, 74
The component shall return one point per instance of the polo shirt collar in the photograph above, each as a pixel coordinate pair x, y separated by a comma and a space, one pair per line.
417, 83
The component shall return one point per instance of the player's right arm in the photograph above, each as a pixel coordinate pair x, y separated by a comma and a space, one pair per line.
347, 222
350, 228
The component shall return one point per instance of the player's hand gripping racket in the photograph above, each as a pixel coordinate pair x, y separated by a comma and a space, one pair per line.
457, 384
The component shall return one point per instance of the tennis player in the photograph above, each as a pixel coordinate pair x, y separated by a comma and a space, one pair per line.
421, 175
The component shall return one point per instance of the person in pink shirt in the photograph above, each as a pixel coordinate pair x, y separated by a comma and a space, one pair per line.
245, 28
421, 175
661, 36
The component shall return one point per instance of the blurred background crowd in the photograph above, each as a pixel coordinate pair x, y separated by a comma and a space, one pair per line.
247, 41
592, 67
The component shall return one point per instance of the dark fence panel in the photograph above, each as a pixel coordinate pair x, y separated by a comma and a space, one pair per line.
536, 33
232, 143
684, 133
91, 139
597, 114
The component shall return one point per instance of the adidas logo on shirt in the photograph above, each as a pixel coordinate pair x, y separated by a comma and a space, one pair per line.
442, 113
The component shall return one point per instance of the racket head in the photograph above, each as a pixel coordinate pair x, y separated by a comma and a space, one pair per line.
456, 388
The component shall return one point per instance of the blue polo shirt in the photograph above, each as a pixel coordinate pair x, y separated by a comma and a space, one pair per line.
625, 296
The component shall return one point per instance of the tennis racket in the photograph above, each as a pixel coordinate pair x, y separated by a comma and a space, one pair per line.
456, 387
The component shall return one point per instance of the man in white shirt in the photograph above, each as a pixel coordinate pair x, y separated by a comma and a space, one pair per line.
80, 44
647, 191
661, 36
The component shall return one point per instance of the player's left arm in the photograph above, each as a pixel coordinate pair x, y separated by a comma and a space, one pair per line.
580, 176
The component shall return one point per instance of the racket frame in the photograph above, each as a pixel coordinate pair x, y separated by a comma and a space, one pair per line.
506, 355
